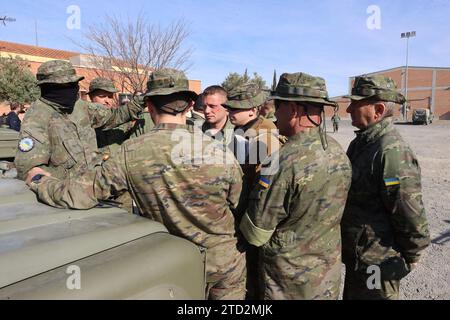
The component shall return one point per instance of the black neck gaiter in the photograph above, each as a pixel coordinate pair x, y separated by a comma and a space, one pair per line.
64, 95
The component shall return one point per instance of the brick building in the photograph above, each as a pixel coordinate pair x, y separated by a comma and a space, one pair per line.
428, 87
83, 65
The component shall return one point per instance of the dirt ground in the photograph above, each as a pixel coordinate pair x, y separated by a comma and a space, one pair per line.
431, 279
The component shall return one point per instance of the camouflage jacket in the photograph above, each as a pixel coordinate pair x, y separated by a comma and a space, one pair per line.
196, 118
192, 194
62, 141
109, 141
253, 143
384, 216
295, 216
225, 135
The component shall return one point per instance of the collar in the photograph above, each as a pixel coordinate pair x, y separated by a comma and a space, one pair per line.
248, 125
375, 131
173, 126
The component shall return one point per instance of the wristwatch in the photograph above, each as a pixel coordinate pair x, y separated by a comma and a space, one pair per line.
37, 177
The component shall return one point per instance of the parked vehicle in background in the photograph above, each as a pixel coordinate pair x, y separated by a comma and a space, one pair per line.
422, 116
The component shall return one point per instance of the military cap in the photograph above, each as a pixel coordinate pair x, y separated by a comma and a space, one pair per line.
102, 84
57, 71
168, 81
301, 87
376, 87
245, 96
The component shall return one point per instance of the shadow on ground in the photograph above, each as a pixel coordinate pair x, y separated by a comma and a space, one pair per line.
443, 238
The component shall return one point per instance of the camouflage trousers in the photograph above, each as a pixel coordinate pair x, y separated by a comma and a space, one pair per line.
300, 278
356, 288
225, 273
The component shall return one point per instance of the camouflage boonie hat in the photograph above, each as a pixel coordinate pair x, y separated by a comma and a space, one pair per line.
57, 71
246, 96
167, 81
301, 87
375, 87
102, 84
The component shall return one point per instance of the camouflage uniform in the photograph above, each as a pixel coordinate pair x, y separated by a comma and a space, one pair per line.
249, 140
109, 141
192, 194
225, 135
384, 221
295, 213
62, 142
197, 117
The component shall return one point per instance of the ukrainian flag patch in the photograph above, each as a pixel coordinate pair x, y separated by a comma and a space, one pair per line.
391, 182
264, 182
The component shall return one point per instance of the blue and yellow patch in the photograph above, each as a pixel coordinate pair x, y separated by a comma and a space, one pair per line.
391, 182
264, 182
26, 144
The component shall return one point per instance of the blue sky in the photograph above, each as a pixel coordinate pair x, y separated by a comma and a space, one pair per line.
324, 38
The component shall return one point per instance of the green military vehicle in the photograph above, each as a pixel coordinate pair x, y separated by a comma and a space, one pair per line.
9, 140
102, 253
8, 143
422, 116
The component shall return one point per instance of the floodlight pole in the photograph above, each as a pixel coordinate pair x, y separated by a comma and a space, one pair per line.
406, 35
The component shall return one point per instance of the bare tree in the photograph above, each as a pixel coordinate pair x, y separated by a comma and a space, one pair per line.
128, 51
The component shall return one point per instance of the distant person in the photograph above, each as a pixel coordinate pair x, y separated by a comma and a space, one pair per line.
335, 119
267, 110
197, 113
12, 119
384, 223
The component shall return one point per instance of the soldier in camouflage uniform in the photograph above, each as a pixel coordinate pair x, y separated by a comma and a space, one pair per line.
255, 138
174, 179
197, 117
294, 214
384, 221
102, 90
58, 130
217, 123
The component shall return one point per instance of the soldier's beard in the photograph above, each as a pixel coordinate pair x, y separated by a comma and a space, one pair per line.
64, 95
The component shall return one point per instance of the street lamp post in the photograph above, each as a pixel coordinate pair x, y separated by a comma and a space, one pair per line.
406, 35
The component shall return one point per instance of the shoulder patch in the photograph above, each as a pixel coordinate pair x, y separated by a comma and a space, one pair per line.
391, 182
264, 182
26, 144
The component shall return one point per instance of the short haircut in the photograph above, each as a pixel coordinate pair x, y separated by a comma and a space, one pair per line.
214, 90
390, 107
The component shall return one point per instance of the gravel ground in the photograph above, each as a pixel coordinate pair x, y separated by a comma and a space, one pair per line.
431, 279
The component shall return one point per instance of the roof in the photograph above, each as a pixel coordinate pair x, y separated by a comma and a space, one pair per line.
36, 51
402, 67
